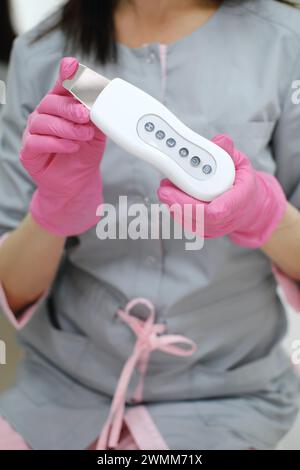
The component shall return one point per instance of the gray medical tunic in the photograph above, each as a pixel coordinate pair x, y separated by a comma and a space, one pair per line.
233, 75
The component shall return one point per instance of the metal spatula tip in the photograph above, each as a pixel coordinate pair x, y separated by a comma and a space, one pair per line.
86, 85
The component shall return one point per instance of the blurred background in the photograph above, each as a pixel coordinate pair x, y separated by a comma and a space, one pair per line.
25, 15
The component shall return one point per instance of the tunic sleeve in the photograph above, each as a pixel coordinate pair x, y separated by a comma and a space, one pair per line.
16, 187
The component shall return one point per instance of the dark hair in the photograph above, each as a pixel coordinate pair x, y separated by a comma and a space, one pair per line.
7, 33
88, 26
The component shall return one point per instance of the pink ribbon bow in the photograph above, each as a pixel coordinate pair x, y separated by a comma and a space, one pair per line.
149, 337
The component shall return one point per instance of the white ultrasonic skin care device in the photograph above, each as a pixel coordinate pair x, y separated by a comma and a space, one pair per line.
147, 129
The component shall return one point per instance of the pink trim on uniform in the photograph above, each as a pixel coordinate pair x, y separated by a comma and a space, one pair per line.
9, 438
149, 337
163, 50
18, 323
290, 288
143, 429
126, 441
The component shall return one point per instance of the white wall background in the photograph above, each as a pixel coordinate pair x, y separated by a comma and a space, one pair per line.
27, 13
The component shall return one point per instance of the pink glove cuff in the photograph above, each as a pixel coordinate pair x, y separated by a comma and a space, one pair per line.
273, 208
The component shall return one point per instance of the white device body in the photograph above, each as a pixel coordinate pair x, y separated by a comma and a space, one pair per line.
147, 129
119, 109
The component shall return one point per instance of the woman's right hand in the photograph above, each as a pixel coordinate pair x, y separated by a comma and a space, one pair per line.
62, 152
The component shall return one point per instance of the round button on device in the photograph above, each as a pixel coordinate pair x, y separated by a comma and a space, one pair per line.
171, 142
160, 135
207, 169
149, 126
195, 161
183, 152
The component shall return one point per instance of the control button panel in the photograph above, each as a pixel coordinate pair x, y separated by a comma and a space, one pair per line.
196, 161
160, 135
149, 126
183, 152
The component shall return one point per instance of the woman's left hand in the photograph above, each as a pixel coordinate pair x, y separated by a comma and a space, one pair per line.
248, 213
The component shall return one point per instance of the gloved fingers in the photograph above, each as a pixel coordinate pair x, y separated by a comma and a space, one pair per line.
225, 208
39, 145
98, 134
167, 191
43, 124
226, 143
221, 224
166, 182
183, 208
164, 192
221, 211
236, 199
65, 107
170, 194
214, 222
187, 215
68, 68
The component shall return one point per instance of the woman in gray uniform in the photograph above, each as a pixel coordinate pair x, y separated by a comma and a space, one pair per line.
142, 343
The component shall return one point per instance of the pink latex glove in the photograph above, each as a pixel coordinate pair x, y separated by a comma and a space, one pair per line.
62, 151
248, 213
